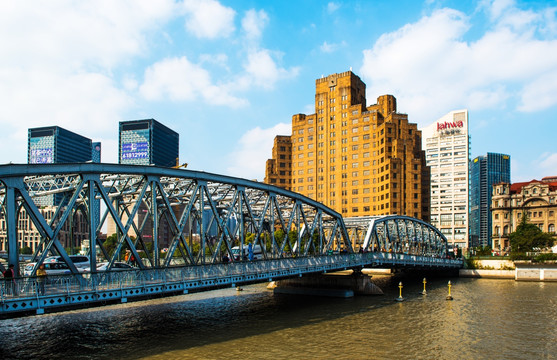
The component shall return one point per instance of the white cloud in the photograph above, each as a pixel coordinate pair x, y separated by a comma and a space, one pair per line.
86, 103
180, 80
496, 7
57, 60
508, 64
66, 35
253, 150
209, 19
263, 71
332, 7
217, 59
548, 163
254, 22
540, 93
329, 48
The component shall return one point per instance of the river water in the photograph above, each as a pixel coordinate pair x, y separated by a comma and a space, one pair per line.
488, 319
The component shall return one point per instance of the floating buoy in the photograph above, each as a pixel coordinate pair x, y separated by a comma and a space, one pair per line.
400, 298
449, 297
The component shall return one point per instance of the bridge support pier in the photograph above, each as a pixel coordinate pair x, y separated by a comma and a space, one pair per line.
338, 284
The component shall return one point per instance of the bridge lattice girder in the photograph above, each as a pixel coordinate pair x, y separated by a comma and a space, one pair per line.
204, 213
205, 216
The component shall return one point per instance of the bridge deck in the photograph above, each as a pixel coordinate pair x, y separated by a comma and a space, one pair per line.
26, 295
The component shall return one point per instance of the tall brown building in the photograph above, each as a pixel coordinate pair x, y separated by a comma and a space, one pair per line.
279, 169
357, 159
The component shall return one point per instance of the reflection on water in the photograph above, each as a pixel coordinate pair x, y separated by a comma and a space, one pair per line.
488, 319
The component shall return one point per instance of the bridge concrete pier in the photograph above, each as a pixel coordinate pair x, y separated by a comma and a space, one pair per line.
337, 284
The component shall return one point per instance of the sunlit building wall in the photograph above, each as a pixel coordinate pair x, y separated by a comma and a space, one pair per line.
358, 159
447, 145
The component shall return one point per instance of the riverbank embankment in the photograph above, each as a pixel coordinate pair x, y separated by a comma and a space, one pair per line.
507, 269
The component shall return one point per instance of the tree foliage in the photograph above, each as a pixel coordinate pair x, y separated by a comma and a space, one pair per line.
26, 250
528, 236
110, 243
482, 250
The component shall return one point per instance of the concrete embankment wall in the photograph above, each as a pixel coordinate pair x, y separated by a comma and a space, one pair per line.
488, 274
330, 285
523, 270
526, 271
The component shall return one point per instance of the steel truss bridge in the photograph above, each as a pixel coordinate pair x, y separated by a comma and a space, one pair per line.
182, 224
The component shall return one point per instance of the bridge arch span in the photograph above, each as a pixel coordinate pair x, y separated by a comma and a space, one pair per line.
164, 216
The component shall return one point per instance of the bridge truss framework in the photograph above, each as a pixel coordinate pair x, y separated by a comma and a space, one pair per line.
183, 220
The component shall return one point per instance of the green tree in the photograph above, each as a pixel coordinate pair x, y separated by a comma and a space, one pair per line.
110, 244
528, 236
482, 250
250, 238
279, 236
26, 250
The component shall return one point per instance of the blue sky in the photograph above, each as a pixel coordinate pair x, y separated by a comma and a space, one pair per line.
229, 75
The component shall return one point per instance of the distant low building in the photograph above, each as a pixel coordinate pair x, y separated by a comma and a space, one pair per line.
536, 198
71, 235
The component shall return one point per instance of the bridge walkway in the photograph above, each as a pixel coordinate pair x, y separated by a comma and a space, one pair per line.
26, 295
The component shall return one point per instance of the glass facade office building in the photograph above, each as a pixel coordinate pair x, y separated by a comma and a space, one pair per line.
147, 142
55, 145
485, 171
96, 152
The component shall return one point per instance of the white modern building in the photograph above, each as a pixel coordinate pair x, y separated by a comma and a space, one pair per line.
447, 146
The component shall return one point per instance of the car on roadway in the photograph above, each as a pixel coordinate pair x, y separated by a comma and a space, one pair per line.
80, 261
117, 266
238, 255
52, 268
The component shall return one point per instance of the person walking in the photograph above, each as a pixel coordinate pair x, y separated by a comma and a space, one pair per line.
9, 279
250, 252
41, 279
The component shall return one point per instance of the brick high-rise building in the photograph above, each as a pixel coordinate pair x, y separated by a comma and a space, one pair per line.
279, 169
359, 160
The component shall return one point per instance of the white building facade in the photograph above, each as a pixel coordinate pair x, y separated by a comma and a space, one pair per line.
447, 146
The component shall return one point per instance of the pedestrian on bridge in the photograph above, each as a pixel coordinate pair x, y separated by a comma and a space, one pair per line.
250, 251
9, 280
41, 279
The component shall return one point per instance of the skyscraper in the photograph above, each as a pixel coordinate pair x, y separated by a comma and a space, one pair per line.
447, 154
96, 152
359, 160
147, 142
485, 171
56, 145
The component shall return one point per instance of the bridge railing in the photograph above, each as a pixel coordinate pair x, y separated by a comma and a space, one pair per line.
198, 274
